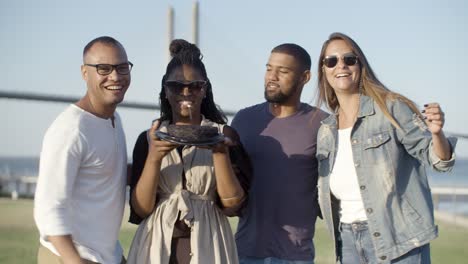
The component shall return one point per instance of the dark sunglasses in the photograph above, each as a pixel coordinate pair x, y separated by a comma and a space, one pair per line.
348, 59
178, 86
106, 69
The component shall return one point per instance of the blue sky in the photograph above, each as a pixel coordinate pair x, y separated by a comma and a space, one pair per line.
417, 48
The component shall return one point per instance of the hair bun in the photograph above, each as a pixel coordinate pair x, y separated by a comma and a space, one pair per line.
181, 47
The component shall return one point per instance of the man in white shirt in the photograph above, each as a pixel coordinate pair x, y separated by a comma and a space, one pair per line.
80, 194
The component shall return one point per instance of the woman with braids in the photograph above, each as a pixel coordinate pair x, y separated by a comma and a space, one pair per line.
373, 189
181, 194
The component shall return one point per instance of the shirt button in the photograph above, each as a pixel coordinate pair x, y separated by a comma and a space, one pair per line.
363, 187
376, 234
356, 164
354, 141
383, 257
191, 254
369, 210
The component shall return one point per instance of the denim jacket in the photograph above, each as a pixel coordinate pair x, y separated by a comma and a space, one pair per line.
389, 164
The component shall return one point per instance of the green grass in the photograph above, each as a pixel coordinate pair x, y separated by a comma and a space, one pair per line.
19, 237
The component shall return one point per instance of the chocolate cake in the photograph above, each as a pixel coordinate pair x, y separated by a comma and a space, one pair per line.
192, 133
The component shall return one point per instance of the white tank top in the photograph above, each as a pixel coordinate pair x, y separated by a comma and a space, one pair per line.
344, 183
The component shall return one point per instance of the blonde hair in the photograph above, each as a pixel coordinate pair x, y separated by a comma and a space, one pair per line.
369, 84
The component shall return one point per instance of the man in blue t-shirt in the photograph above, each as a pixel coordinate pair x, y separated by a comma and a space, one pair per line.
280, 135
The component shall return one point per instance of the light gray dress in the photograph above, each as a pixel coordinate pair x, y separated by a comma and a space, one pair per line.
212, 240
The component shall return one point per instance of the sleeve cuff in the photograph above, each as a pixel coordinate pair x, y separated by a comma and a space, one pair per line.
443, 165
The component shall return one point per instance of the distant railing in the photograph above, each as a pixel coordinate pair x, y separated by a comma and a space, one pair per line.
448, 193
16, 186
24, 186
455, 196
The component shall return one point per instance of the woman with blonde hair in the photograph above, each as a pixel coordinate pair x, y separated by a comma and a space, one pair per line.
373, 189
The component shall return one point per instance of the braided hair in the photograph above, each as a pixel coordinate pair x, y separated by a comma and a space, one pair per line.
185, 53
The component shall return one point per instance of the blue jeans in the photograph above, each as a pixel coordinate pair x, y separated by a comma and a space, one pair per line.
357, 247
250, 260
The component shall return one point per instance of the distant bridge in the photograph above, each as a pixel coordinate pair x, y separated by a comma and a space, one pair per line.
72, 99
134, 105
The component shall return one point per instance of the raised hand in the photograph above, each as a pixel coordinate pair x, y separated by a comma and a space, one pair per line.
220, 147
158, 148
434, 116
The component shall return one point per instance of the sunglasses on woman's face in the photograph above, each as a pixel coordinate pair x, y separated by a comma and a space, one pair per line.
348, 59
178, 86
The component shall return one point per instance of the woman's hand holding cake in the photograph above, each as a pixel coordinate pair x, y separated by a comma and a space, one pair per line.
158, 148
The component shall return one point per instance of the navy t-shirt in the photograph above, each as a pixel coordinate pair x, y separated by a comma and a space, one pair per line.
279, 220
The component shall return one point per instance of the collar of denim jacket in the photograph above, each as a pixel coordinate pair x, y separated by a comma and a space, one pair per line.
366, 108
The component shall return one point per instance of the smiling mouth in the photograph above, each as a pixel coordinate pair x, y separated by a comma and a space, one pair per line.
114, 87
342, 75
186, 104
272, 85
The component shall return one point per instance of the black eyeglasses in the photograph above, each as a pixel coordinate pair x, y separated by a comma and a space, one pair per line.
348, 59
106, 69
178, 86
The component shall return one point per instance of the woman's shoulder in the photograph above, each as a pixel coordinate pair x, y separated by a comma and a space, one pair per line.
142, 141
143, 135
399, 106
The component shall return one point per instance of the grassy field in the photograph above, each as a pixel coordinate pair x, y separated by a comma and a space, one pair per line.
19, 238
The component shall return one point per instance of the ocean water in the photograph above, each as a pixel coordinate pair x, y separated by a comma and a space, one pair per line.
458, 177
456, 180
19, 166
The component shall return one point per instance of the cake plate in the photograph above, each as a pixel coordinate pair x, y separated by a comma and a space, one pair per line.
212, 141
